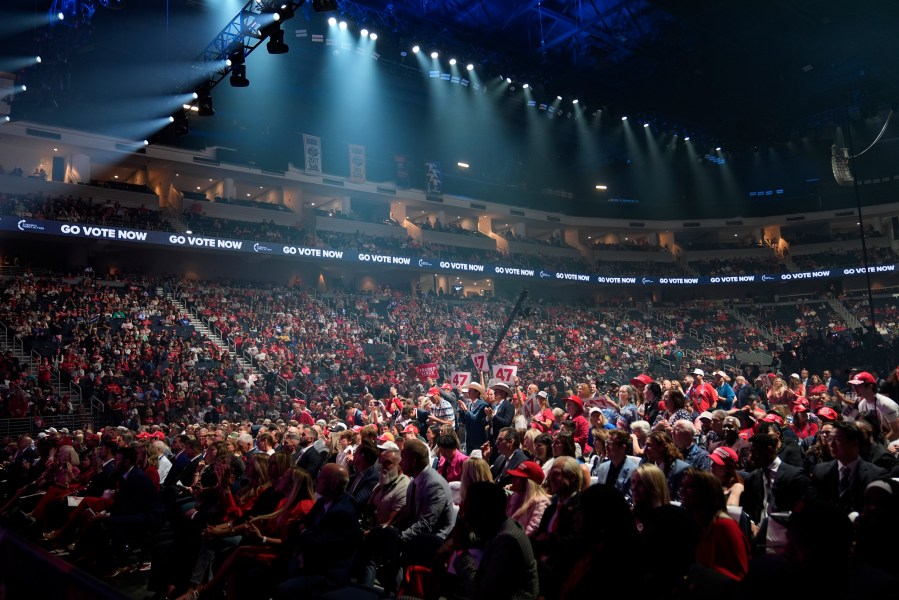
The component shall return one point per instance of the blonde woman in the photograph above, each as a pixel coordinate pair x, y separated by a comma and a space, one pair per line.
780, 393
528, 500
649, 490
473, 469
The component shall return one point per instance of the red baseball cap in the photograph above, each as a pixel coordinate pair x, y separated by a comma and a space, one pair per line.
411, 429
530, 470
801, 405
447, 386
641, 380
863, 377
828, 414
773, 418
386, 437
434, 391
724, 456
576, 399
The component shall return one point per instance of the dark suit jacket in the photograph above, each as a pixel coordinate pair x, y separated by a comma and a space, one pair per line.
103, 480
507, 569
475, 422
136, 501
791, 485
311, 461
502, 417
502, 465
429, 507
328, 542
826, 478
361, 486
559, 545
183, 472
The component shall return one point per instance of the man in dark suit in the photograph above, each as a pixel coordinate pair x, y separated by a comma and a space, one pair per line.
365, 461
773, 485
326, 545
473, 416
310, 459
842, 481
509, 455
429, 504
501, 413
555, 541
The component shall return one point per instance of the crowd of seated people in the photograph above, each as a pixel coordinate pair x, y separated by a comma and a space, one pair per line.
738, 266
79, 210
267, 231
454, 228
520, 489
844, 258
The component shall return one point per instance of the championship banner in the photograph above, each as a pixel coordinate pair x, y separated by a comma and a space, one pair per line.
460, 379
402, 171
480, 361
433, 177
505, 373
312, 150
427, 370
357, 163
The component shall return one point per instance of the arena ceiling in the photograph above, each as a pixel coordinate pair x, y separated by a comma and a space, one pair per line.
740, 75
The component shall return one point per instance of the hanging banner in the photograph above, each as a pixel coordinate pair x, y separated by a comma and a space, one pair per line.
427, 370
505, 373
402, 171
433, 177
357, 163
312, 150
480, 361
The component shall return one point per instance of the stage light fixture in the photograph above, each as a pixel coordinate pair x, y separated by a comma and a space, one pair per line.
238, 68
687, 138
373, 36
575, 101
276, 43
526, 86
645, 125
343, 25
416, 49
434, 54
37, 59
469, 67
718, 149
558, 97
452, 61
508, 80
624, 118
364, 33
332, 21
204, 104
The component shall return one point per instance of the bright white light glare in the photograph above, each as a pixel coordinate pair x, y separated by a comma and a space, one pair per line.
6, 118
24, 88
364, 33
718, 149
343, 25
146, 142
602, 187
469, 67
60, 16
276, 16
624, 118
452, 61
558, 97
37, 59
687, 139
373, 36
195, 95
171, 119
575, 101
185, 106
332, 21
508, 80
228, 62
416, 49
645, 124
434, 54
463, 165
195, 108
526, 86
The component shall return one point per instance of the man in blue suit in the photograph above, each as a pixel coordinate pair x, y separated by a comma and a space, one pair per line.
474, 417
501, 413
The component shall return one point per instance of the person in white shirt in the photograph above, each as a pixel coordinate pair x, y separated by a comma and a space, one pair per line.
864, 384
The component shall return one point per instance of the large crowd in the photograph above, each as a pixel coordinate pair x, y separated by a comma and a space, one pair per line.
513, 490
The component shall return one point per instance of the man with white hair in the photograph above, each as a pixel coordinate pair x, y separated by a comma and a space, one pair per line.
684, 434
